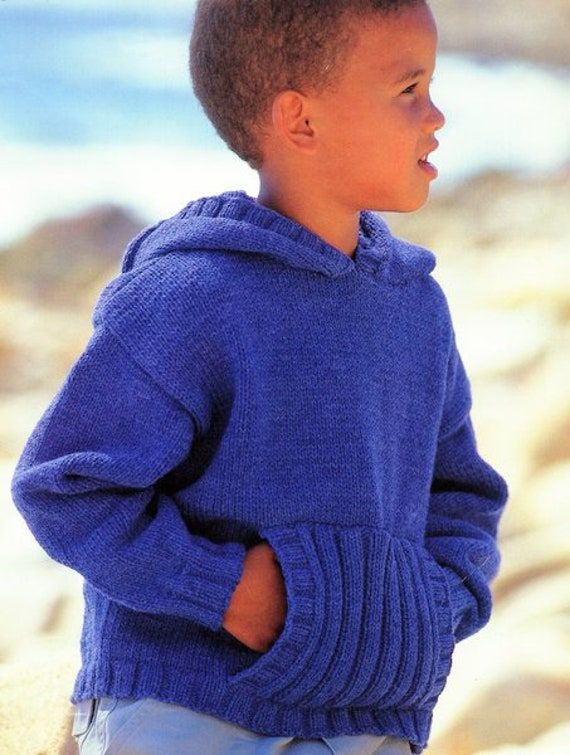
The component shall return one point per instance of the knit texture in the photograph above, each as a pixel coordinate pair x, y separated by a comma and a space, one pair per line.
247, 381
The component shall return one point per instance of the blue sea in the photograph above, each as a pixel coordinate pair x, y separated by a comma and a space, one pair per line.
96, 106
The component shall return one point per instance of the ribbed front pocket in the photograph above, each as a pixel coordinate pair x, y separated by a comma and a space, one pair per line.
368, 621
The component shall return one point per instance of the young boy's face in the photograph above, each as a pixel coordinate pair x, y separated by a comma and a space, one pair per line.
373, 130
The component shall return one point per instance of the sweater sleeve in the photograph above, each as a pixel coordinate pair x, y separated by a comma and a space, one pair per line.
467, 499
88, 486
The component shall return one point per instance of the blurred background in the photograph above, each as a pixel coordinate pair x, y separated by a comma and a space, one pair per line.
100, 135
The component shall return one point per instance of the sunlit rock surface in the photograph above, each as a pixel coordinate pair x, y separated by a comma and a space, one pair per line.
529, 29
54, 263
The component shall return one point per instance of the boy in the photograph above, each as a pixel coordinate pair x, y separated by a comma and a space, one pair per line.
263, 464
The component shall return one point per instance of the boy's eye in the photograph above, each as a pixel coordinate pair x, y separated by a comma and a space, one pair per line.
410, 89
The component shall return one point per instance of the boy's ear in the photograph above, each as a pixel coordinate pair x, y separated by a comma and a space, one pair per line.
292, 122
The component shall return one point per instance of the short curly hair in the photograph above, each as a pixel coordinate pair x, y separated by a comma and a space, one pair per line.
244, 52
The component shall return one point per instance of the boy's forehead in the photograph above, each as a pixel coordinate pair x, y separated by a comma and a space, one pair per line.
401, 67
398, 49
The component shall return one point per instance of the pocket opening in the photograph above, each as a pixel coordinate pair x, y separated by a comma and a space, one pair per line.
383, 664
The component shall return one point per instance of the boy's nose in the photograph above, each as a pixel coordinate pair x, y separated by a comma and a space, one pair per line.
437, 117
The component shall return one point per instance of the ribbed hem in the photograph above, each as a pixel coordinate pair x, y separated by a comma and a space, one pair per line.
128, 678
368, 622
366, 647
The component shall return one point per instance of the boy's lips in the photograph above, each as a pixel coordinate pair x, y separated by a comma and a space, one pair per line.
432, 147
426, 166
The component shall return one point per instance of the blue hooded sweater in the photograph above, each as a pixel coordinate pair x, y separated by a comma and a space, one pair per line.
245, 381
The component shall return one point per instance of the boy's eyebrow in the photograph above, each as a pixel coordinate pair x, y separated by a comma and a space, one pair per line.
410, 75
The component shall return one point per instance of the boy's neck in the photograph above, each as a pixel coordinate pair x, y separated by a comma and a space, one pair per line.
340, 231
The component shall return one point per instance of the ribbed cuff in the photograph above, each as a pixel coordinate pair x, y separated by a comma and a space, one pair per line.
210, 577
470, 613
368, 621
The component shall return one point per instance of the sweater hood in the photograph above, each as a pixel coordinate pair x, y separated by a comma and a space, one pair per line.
234, 222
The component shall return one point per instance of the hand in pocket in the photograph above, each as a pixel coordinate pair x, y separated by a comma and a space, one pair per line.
368, 621
258, 607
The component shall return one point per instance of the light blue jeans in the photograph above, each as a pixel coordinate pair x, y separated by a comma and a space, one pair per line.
109, 726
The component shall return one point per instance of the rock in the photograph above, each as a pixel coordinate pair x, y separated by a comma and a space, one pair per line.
37, 345
44, 595
473, 223
529, 29
511, 681
55, 261
544, 499
552, 742
546, 439
512, 711
35, 711
499, 343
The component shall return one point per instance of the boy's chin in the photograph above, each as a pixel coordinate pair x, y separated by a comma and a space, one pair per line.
404, 206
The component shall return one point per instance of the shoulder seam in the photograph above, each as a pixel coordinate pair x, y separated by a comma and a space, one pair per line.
135, 243
187, 409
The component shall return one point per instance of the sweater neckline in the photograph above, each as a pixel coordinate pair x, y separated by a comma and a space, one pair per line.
234, 222
368, 255
312, 251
